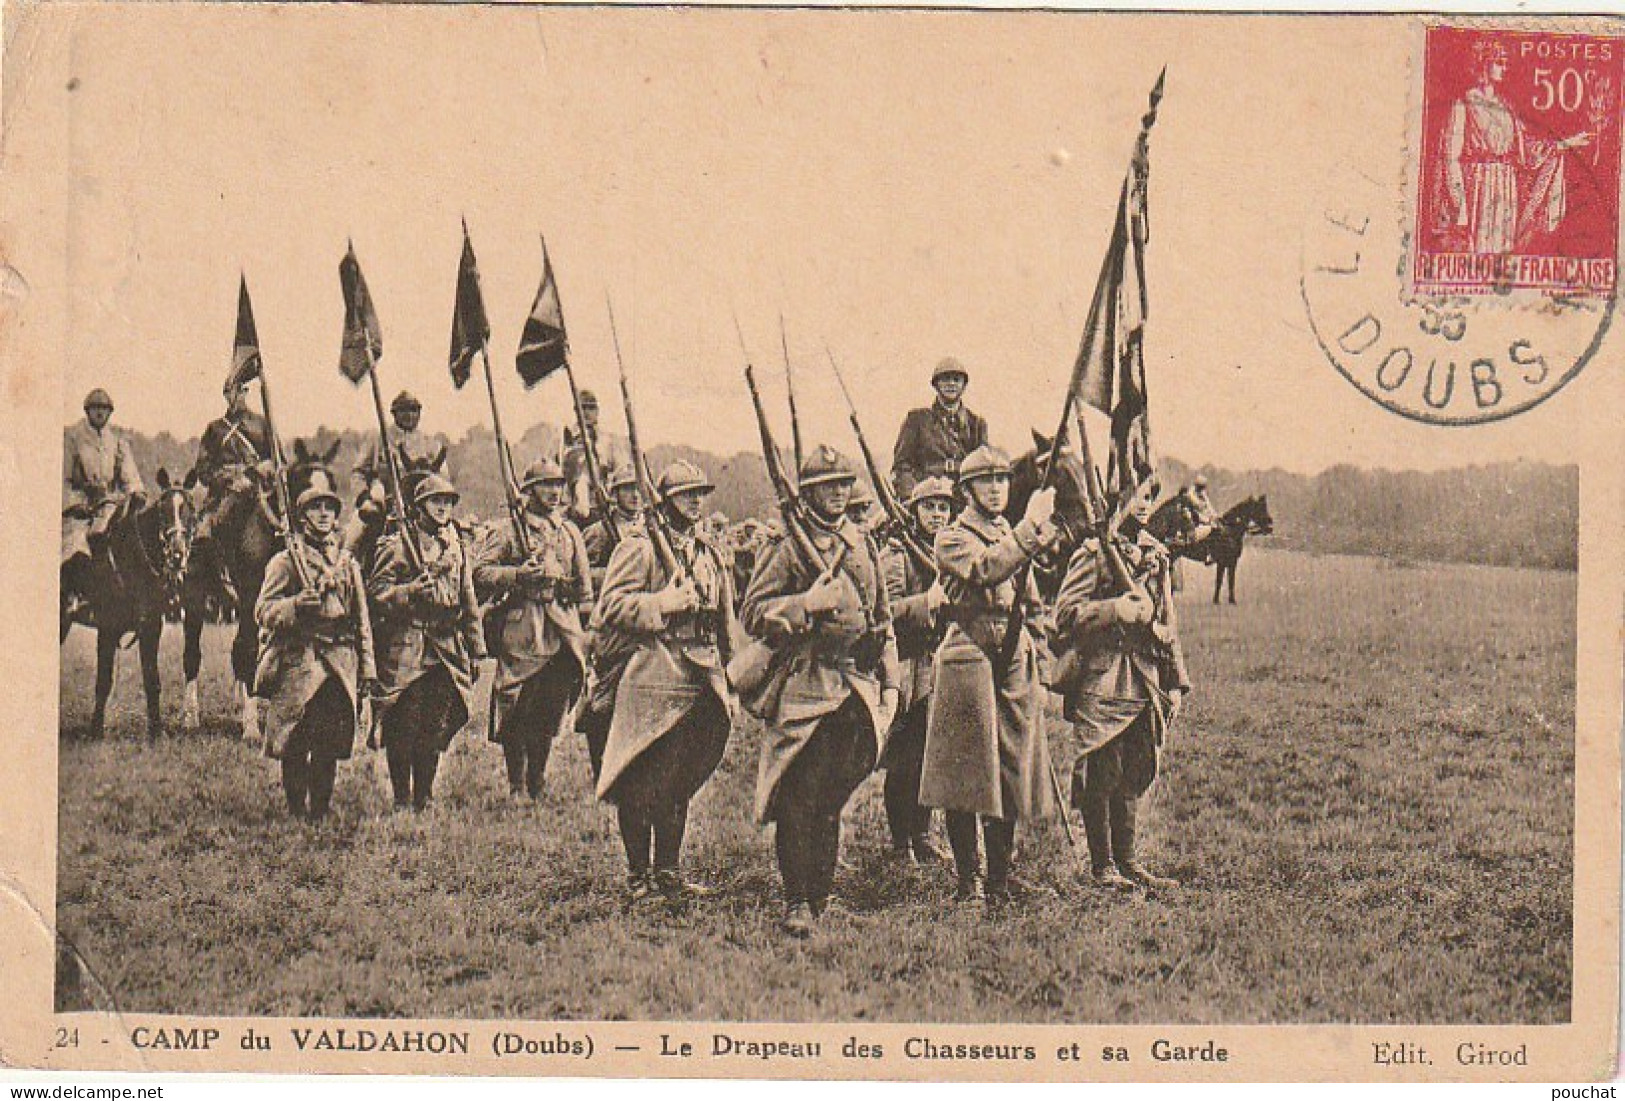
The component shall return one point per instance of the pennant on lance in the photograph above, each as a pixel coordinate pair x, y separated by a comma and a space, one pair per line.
543, 348
245, 351
363, 338
470, 328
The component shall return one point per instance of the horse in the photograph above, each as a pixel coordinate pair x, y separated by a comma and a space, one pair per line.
371, 520
1173, 524
134, 579
1071, 508
247, 533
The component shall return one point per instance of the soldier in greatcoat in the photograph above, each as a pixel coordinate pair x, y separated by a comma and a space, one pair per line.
626, 515
916, 606
538, 588
832, 687
429, 642
315, 654
934, 440
986, 752
660, 646
1122, 676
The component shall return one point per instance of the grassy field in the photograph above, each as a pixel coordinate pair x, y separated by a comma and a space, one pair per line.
1370, 798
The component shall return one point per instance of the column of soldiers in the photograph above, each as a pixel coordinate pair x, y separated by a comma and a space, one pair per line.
883, 661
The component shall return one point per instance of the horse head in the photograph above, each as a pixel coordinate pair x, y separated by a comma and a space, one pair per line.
1251, 516
413, 471
176, 516
1071, 484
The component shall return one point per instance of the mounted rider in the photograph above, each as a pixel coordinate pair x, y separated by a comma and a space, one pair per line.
99, 474
415, 452
232, 449
935, 440
578, 486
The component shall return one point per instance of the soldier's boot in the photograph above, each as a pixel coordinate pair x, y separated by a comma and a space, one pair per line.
999, 835
400, 774
513, 755
962, 840
295, 783
1096, 831
1123, 824
637, 838
669, 827
925, 849
323, 772
425, 763
536, 767
789, 846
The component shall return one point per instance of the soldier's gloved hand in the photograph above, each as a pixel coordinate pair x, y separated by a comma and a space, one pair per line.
1132, 608
678, 596
823, 596
308, 603
936, 597
1162, 633
534, 575
1040, 507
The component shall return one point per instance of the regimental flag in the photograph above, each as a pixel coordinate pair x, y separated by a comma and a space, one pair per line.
543, 348
245, 350
1110, 371
470, 328
363, 338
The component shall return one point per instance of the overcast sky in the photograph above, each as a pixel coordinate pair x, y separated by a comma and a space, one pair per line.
902, 186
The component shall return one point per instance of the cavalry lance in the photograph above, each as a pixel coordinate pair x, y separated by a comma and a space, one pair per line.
279, 465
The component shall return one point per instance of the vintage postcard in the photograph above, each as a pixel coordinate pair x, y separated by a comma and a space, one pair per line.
872, 544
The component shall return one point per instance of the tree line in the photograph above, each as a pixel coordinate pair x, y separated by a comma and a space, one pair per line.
1502, 514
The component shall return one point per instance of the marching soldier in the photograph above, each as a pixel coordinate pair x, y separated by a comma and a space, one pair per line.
1122, 677
540, 644
429, 643
660, 644
986, 753
415, 450
315, 654
627, 503
98, 474
577, 485
935, 440
829, 698
916, 604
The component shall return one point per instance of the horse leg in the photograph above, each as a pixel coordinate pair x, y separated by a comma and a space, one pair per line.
243, 655
1230, 570
106, 657
147, 639
1218, 580
192, 664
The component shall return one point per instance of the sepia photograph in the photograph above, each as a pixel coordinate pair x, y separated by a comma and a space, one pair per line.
857, 543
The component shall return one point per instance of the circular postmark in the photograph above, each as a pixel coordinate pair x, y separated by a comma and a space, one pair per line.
1441, 359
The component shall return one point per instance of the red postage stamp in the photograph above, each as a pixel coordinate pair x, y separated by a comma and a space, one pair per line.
1519, 178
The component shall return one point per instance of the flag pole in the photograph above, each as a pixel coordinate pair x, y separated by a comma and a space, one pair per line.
504, 456
391, 470
280, 462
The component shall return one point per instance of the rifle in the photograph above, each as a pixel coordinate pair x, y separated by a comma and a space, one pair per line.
790, 504
790, 390
653, 520
889, 503
392, 473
